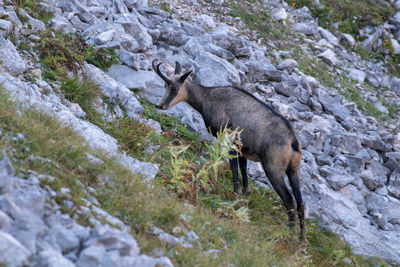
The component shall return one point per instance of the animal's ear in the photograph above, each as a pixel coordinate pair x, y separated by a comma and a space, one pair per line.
184, 76
177, 68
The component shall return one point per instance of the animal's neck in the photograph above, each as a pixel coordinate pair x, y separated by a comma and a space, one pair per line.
196, 95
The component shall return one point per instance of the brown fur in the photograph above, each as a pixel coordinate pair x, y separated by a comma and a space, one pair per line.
266, 136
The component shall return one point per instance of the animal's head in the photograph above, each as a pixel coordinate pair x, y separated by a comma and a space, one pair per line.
175, 89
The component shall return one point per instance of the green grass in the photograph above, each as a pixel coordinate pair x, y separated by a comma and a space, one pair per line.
215, 213
34, 9
82, 92
102, 58
257, 18
264, 241
352, 15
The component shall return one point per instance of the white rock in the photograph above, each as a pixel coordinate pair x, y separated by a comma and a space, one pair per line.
288, 64
53, 258
306, 28
105, 37
10, 58
348, 39
395, 46
64, 238
330, 57
5, 26
144, 260
77, 110
4, 220
328, 36
12, 252
91, 256
114, 89
357, 75
146, 169
133, 79
206, 21
133, 27
215, 71
61, 24
113, 239
279, 13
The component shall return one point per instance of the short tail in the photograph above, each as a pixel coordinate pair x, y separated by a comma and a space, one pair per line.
296, 145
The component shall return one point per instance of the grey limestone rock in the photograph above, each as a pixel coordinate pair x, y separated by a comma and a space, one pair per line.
52, 258
5, 28
215, 71
328, 36
113, 89
308, 28
10, 58
329, 57
357, 75
279, 13
12, 252
133, 27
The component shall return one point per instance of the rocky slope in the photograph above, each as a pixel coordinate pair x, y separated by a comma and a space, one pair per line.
351, 161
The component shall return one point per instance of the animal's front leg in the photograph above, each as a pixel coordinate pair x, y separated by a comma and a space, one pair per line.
234, 167
243, 170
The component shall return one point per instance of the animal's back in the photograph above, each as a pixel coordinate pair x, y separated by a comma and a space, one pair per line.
262, 127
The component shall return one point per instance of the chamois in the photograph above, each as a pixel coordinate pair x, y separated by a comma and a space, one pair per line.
267, 137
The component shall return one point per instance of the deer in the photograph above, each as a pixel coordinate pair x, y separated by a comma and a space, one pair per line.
266, 136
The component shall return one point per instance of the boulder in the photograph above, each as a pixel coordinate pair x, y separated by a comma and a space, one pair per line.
133, 27
263, 71
113, 239
308, 28
12, 252
52, 258
279, 13
113, 89
357, 75
10, 58
338, 181
206, 21
5, 28
348, 39
329, 57
395, 85
288, 64
328, 36
215, 71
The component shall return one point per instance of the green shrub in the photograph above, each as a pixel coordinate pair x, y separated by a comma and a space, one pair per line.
102, 58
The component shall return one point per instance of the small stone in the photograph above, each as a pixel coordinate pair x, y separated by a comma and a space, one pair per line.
279, 14
288, 64
206, 21
348, 39
12, 252
53, 258
329, 57
105, 37
10, 58
357, 75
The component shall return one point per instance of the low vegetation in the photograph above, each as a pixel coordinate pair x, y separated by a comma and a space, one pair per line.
193, 189
248, 231
257, 19
350, 16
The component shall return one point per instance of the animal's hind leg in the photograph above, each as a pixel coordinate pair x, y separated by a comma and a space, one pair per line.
276, 177
243, 170
234, 167
294, 179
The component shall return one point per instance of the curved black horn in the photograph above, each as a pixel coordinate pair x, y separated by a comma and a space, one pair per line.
178, 68
157, 70
184, 76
